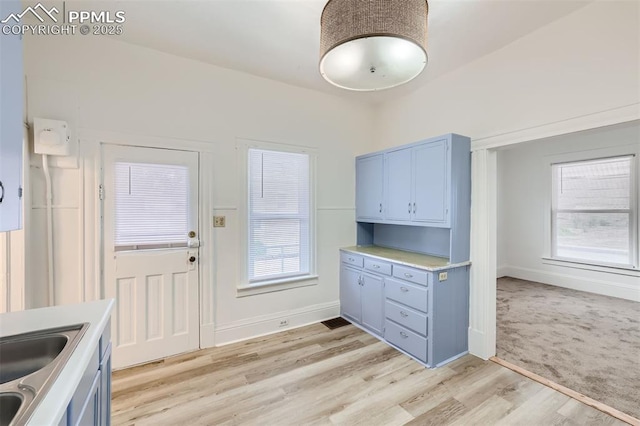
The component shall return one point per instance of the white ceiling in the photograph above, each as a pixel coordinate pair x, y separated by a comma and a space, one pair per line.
279, 39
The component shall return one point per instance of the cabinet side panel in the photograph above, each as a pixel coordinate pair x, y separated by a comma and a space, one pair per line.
450, 320
460, 198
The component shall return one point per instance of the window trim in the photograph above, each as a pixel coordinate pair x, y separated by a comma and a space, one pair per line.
244, 286
549, 255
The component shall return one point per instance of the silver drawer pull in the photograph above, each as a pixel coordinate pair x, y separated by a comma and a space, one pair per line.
404, 289
409, 207
403, 314
404, 335
351, 259
408, 275
376, 266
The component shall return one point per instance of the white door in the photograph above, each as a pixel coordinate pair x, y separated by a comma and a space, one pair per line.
150, 237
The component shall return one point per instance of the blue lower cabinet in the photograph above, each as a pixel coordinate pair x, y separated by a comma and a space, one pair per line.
91, 403
105, 388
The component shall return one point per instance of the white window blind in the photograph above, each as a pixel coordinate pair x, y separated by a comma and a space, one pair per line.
279, 215
593, 211
151, 206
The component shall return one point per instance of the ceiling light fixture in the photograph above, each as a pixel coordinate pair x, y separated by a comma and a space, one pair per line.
368, 45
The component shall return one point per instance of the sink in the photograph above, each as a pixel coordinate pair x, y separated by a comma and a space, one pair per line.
19, 358
9, 406
29, 365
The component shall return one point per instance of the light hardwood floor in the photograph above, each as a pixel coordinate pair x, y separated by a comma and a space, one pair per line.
313, 375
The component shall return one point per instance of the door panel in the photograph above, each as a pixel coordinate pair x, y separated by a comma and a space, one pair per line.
148, 265
369, 187
398, 190
430, 185
350, 293
372, 303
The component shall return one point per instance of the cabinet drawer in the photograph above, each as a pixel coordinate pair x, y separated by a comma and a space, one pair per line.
378, 266
406, 317
406, 340
408, 294
351, 259
411, 274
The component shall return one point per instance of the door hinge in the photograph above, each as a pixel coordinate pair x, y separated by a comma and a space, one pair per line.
101, 192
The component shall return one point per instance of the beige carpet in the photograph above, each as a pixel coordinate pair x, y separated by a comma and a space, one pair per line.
584, 341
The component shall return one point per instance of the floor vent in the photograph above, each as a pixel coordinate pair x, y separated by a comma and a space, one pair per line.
336, 323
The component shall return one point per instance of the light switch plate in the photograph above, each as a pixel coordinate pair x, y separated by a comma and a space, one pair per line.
442, 276
219, 221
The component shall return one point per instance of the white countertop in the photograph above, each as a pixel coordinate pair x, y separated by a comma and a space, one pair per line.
407, 258
52, 407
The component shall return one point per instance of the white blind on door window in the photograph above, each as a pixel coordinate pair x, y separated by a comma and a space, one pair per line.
151, 205
593, 210
279, 204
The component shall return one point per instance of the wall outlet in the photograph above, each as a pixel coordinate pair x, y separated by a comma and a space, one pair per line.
284, 323
442, 276
219, 221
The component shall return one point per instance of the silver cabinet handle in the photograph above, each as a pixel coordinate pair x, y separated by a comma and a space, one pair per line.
404, 289
403, 314
404, 335
351, 259
408, 275
380, 207
376, 266
414, 208
409, 207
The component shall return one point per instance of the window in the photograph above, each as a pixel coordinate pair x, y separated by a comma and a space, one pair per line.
593, 212
279, 216
151, 206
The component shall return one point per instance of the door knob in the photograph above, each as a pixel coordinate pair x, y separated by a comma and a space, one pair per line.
192, 259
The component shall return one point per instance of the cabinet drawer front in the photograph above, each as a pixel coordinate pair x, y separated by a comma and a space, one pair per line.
406, 317
406, 340
408, 294
411, 274
352, 259
378, 266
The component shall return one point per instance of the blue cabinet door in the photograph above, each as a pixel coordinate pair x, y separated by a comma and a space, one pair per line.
398, 185
372, 301
369, 187
430, 185
11, 122
350, 293
105, 388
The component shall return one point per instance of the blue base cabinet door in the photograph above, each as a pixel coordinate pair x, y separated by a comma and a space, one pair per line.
105, 388
372, 302
350, 293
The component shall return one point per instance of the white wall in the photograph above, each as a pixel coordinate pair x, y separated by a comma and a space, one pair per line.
586, 62
101, 85
523, 206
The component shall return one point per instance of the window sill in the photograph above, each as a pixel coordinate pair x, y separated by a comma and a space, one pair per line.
276, 285
619, 270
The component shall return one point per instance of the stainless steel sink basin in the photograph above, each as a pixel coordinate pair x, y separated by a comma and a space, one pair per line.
9, 405
29, 364
19, 358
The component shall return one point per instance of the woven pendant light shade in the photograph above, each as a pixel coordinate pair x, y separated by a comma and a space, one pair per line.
370, 45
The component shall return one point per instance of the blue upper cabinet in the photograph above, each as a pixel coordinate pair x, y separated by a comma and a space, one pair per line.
11, 122
430, 183
399, 181
424, 183
369, 187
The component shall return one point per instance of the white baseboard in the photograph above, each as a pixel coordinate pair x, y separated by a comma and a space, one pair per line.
207, 336
478, 343
501, 271
268, 324
605, 288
